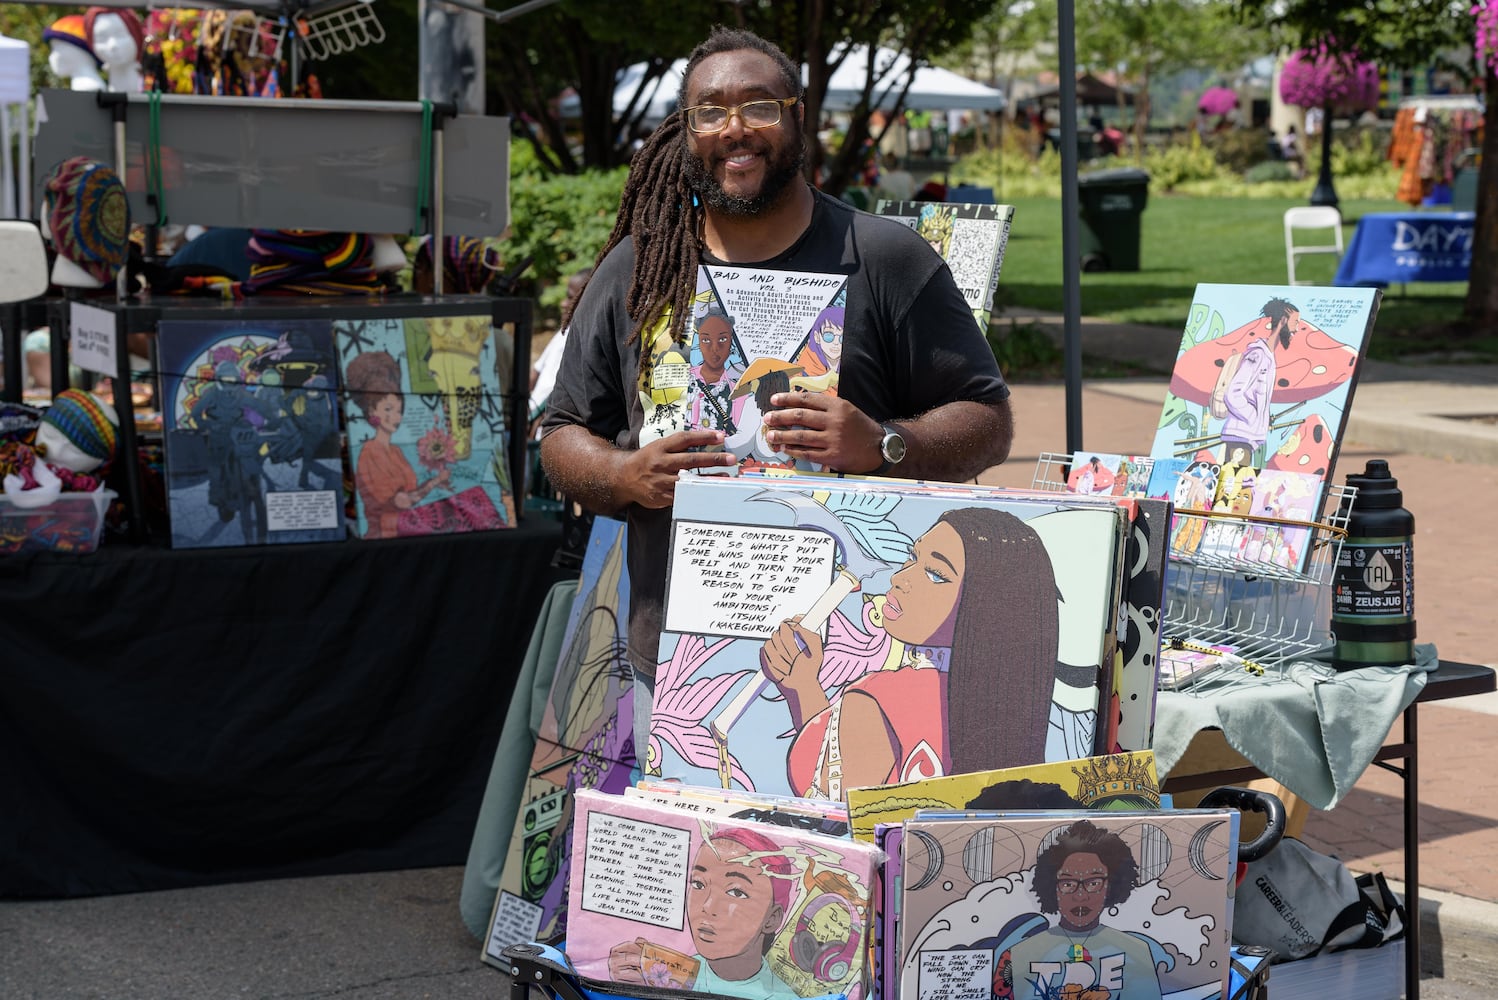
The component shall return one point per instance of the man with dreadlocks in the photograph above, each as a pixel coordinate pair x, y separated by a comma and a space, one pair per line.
720, 182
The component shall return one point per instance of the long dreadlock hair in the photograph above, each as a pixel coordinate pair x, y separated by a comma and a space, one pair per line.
661, 213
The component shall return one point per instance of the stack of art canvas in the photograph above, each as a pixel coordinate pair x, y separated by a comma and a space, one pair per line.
824, 634
585, 741
669, 898
1044, 904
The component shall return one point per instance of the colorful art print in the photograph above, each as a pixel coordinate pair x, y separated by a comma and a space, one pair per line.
251, 428
889, 838
752, 333
1068, 904
784, 600
1134, 471
666, 898
1269, 368
1130, 720
1096, 473
1287, 496
970, 238
585, 740
1195, 484
1114, 781
426, 430
1183, 666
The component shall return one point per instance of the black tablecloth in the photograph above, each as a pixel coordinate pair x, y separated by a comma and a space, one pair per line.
180, 718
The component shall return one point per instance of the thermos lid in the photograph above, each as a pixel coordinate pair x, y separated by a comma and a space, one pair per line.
1376, 486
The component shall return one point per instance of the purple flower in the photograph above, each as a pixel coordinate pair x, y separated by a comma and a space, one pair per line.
1319, 77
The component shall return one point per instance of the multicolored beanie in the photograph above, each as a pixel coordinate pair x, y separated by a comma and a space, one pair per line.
85, 421
311, 262
129, 18
89, 216
70, 29
463, 269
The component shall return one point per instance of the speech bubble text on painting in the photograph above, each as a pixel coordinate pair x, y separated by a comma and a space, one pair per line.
742, 581
956, 974
636, 870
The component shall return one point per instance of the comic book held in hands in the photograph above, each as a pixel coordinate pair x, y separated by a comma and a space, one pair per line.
1095, 904
671, 899
753, 332
970, 238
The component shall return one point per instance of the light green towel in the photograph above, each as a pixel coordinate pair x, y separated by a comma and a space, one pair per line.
512, 760
1314, 730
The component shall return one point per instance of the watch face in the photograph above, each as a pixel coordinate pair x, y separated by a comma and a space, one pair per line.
893, 447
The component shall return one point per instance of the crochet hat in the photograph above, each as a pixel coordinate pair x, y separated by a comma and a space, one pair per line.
86, 421
89, 216
70, 30
128, 18
463, 268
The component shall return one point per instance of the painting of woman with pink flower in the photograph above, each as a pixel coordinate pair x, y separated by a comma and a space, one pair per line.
386, 483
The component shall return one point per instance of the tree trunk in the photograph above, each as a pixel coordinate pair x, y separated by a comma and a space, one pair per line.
1482, 280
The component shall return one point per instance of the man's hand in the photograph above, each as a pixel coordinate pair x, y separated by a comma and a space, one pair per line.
824, 429
625, 960
649, 475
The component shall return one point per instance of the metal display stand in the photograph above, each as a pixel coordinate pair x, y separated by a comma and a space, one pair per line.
1230, 592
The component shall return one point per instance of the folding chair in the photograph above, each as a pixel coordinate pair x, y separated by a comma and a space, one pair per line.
1315, 217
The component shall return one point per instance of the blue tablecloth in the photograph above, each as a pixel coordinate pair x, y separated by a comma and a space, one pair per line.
1397, 247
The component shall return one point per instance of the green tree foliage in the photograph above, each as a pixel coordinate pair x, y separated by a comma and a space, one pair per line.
1407, 33
1146, 38
27, 22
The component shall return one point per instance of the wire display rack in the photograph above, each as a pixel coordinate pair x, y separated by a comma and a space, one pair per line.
1252, 593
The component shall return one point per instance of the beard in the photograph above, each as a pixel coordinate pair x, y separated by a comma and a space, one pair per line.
783, 165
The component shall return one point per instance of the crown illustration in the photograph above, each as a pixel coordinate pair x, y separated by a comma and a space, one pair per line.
1119, 774
461, 334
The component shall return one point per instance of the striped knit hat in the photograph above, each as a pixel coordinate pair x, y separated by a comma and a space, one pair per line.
310, 262
463, 270
89, 216
85, 420
70, 29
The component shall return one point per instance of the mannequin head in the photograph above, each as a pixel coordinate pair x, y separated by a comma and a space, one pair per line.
117, 39
77, 431
386, 254
88, 220
71, 57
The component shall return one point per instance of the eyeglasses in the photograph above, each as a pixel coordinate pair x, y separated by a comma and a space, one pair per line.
1070, 886
828, 336
709, 119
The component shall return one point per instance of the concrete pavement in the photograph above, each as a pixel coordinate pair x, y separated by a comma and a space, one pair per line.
398, 934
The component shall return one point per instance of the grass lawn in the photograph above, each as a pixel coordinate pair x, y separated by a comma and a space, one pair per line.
1187, 240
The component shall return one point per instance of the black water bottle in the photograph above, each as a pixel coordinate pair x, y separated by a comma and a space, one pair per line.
1373, 595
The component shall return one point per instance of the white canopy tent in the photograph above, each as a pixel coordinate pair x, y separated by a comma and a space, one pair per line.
15, 89
933, 89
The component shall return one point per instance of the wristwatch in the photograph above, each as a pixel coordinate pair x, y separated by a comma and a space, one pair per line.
891, 449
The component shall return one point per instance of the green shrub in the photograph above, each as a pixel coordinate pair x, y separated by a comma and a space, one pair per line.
562, 221
1268, 171
1177, 163
1238, 149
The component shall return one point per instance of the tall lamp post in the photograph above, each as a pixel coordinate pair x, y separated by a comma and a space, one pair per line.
1320, 78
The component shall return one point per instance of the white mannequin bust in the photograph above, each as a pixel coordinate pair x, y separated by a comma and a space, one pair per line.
118, 52
386, 254
66, 274
74, 65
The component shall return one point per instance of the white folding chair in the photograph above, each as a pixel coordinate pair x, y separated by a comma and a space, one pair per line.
1313, 217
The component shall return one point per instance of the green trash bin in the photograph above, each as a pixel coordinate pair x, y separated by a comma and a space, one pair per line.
1111, 203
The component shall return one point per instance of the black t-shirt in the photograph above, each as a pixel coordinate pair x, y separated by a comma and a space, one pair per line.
910, 344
